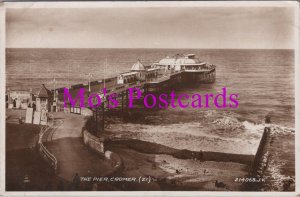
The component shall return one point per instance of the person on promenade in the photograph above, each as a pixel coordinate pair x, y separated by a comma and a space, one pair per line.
95, 187
76, 181
60, 186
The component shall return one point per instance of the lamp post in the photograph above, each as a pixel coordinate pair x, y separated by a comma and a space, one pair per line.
54, 88
89, 76
54, 93
8, 97
68, 75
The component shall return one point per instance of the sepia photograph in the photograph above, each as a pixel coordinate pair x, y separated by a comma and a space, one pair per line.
150, 96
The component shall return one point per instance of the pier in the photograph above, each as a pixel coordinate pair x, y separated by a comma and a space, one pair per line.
165, 75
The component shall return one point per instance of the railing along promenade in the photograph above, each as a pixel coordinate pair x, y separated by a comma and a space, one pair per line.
50, 158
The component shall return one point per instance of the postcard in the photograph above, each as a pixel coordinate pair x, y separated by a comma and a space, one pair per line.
150, 98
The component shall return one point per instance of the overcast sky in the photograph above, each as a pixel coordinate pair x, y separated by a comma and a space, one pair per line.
235, 27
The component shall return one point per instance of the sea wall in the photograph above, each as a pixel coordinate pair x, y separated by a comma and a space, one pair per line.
93, 142
258, 161
97, 145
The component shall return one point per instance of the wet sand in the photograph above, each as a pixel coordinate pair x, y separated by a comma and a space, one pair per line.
194, 138
191, 174
154, 148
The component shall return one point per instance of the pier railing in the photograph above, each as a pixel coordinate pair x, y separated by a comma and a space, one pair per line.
158, 79
201, 69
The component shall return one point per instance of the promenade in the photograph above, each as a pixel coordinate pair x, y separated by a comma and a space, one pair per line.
64, 141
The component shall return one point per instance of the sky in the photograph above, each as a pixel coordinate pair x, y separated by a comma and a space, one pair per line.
151, 27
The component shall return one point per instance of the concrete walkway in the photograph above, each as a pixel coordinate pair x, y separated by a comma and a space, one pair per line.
65, 142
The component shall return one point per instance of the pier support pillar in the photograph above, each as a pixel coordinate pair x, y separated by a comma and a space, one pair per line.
107, 101
126, 107
122, 106
96, 119
103, 116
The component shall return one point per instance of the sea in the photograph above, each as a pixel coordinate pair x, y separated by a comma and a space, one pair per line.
263, 79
